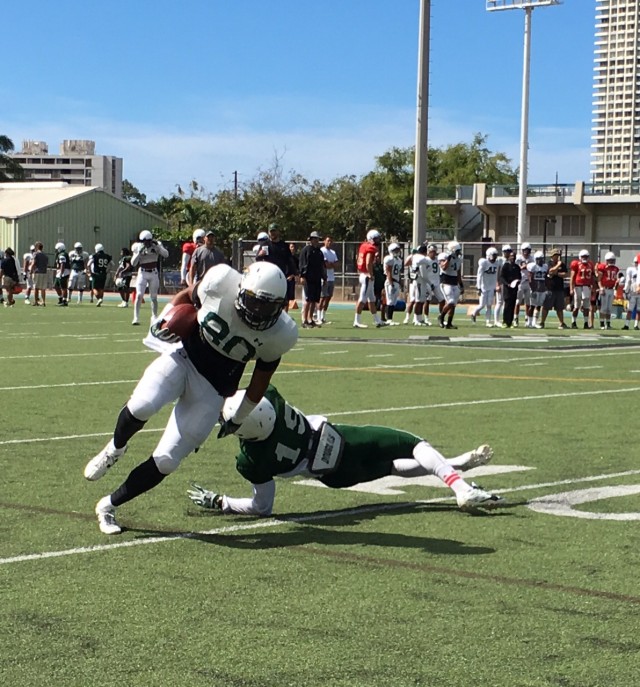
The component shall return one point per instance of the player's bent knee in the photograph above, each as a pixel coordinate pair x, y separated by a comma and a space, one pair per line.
166, 464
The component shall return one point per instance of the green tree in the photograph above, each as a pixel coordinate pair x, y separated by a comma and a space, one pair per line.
10, 170
133, 195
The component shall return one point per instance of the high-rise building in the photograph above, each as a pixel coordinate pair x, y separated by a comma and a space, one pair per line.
77, 164
616, 94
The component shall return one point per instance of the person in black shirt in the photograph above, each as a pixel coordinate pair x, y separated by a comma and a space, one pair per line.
555, 299
510, 278
9, 275
279, 254
312, 273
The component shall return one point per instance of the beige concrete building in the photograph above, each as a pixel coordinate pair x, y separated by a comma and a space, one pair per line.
77, 164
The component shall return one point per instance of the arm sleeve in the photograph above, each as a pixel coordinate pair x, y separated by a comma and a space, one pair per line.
261, 504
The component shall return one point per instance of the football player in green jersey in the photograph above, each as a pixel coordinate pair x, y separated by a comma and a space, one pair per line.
277, 440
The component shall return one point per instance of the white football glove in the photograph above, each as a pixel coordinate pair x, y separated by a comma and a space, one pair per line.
204, 498
163, 334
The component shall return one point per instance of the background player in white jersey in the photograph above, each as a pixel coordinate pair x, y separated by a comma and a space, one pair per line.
506, 252
28, 276
233, 319
275, 440
434, 290
392, 273
411, 292
537, 271
145, 258
450, 262
632, 293
79, 262
486, 281
524, 259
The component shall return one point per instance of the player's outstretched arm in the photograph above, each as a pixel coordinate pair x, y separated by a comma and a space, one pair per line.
261, 504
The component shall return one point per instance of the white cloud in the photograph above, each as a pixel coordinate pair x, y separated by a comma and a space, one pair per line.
332, 141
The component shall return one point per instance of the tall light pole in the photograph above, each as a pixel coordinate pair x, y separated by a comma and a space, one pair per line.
528, 6
422, 113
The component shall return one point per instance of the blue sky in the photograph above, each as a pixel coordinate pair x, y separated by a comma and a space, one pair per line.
202, 88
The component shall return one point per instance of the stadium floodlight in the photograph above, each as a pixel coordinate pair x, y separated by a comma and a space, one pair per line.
528, 6
519, 4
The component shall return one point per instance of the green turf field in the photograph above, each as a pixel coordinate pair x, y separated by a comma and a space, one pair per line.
383, 585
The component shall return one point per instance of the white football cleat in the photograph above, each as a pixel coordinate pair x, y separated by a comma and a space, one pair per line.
98, 465
359, 325
472, 459
107, 517
124, 304
474, 498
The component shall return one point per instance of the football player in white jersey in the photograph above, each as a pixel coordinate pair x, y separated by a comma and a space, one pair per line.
434, 290
392, 272
524, 259
537, 271
632, 292
79, 262
146, 255
28, 276
450, 262
486, 281
239, 318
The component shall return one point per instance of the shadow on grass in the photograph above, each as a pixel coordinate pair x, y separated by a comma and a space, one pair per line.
330, 534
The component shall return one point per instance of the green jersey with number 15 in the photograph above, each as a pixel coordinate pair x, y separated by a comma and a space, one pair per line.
288, 444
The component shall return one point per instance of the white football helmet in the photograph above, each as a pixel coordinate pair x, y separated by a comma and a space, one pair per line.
263, 236
146, 235
59, 246
454, 248
610, 256
526, 246
394, 249
374, 236
259, 423
77, 245
198, 234
507, 248
583, 255
32, 248
539, 257
491, 254
262, 295
431, 247
99, 247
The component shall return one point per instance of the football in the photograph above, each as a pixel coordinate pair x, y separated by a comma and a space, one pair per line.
181, 320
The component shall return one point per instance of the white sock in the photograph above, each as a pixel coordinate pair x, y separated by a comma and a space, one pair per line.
434, 462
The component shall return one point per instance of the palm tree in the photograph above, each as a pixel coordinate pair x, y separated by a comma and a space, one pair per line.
10, 170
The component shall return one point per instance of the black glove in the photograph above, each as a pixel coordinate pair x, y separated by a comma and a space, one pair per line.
227, 427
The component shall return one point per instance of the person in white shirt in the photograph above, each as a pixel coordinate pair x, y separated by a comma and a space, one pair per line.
330, 263
28, 276
632, 294
524, 290
486, 282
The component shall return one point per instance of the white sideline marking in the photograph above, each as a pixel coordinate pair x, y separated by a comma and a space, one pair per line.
332, 352
55, 386
589, 367
72, 355
381, 355
370, 411
274, 522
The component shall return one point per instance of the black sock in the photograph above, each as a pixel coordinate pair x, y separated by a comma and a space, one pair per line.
142, 478
126, 426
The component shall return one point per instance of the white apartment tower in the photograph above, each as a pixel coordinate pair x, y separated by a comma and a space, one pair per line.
77, 164
616, 94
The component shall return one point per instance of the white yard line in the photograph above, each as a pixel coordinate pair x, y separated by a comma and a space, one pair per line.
274, 522
369, 411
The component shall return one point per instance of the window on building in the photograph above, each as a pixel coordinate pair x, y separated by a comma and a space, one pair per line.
573, 225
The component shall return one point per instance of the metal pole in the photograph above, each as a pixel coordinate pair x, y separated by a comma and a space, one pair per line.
422, 112
524, 129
